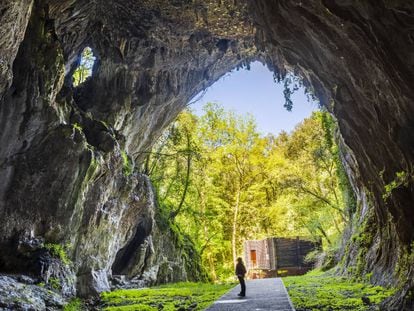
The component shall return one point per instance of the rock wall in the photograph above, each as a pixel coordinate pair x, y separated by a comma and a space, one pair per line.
65, 149
357, 57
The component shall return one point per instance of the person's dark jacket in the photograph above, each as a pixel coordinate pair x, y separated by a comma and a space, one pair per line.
240, 269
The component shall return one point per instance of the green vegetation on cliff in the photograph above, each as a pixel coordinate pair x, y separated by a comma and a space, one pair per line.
59, 252
185, 296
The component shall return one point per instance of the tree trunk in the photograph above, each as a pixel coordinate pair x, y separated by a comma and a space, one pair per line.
324, 234
187, 178
235, 227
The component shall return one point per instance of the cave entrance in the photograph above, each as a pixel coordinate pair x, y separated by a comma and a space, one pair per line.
249, 160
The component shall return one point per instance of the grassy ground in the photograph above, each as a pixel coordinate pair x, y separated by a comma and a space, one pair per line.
171, 297
318, 291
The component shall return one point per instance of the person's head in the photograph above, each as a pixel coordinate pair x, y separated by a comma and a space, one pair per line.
239, 260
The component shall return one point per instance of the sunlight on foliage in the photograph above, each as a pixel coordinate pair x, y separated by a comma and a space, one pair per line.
222, 183
84, 70
401, 179
58, 251
318, 291
128, 166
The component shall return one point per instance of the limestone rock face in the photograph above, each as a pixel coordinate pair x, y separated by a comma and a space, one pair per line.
358, 58
19, 295
14, 17
65, 149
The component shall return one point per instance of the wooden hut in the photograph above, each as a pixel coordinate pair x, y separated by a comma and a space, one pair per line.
278, 256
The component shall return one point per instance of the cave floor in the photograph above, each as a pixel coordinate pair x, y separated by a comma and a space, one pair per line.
261, 295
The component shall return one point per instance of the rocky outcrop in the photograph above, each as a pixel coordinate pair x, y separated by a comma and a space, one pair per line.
155, 253
66, 148
67, 151
23, 295
14, 16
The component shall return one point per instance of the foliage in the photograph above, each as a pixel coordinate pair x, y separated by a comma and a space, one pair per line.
325, 291
404, 265
84, 70
165, 297
222, 183
291, 84
74, 304
58, 251
401, 179
127, 164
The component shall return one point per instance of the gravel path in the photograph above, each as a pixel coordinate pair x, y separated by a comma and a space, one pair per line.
262, 295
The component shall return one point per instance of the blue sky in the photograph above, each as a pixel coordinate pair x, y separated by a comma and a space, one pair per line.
255, 92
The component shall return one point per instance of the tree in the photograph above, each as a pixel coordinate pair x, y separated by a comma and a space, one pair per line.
222, 183
233, 145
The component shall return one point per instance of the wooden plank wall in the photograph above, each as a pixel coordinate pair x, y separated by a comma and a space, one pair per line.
292, 252
273, 254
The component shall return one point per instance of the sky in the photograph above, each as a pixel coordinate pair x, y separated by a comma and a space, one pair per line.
255, 92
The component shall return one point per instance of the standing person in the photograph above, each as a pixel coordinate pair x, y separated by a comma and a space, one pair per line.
240, 272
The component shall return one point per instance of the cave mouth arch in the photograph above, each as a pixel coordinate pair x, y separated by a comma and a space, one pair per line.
335, 55
246, 82
210, 143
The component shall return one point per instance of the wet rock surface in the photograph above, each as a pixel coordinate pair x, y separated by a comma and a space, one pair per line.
62, 170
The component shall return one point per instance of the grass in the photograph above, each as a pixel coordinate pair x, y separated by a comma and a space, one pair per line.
74, 305
171, 297
318, 291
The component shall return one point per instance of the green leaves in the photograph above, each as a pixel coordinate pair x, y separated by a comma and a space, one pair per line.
223, 183
58, 251
84, 70
127, 164
401, 179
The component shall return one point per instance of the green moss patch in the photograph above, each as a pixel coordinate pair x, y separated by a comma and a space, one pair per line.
74, 305
128, 166
178, 296
324, 291
58, 251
